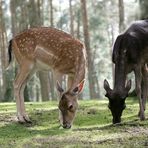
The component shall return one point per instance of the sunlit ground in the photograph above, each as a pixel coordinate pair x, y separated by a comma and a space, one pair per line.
92, 127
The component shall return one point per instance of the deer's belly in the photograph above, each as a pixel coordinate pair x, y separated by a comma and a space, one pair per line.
44, 59
40, 65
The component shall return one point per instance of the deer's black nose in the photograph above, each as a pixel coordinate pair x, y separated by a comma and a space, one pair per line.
67, 126
116, 120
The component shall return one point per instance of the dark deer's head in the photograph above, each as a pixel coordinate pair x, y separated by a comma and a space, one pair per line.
68, 104
116, 100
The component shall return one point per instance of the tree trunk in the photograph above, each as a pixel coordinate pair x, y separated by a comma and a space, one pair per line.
144, 9
71, 18
95, 79
89, 54
52, 86
51, 78
37, 93
121, 16
13, 16
43, 76
6, 77
51, 13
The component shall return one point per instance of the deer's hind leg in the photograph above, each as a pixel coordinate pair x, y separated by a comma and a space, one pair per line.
138, 81
144, 85
24, 73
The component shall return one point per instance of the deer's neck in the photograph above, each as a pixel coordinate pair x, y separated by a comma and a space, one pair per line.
120, 75
80, 71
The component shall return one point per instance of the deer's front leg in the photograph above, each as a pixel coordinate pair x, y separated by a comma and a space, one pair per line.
138, 80
18, 102
24, 114
19, 85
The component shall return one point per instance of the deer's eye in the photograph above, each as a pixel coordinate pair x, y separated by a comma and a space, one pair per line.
70, 107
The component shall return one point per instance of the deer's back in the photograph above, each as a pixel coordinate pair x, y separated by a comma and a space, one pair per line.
59, 48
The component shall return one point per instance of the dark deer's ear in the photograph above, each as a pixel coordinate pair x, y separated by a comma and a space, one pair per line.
59, 87
128, 85
106, 86
78, 89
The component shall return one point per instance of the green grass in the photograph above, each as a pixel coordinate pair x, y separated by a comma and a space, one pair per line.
92, 127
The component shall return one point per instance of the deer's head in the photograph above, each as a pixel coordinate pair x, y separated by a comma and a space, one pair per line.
116, 100
68, 104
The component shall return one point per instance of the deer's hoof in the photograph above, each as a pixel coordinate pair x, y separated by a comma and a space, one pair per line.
141, 116
21, 119
24, 119
27, 119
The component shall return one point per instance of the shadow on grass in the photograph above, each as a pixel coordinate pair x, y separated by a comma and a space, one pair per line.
16, 130
130, 123
45, 123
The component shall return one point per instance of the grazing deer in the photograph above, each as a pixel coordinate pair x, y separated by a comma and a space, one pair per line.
130, 53
46, 48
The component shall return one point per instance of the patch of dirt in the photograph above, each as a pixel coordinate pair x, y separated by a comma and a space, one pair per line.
92, 111
8, 118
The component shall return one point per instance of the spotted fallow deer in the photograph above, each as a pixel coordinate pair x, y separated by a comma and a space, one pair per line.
47, 48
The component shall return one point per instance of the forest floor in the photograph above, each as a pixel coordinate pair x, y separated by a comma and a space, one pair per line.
92, 127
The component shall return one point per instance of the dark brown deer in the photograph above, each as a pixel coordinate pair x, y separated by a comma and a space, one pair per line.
46, 48
130, 53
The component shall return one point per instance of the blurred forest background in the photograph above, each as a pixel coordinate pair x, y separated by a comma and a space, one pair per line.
96, 22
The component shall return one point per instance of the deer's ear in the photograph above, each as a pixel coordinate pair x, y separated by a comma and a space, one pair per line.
59, 87
106, 86
78, 89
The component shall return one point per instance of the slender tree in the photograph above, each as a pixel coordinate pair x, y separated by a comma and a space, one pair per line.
6, 77
51, 13
13, 16
51, 77
89, 53
144, 9
71, 18
3, 47
121, 16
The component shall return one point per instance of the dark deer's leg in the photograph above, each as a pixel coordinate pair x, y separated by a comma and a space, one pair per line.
19, 85
144, 85
138, 80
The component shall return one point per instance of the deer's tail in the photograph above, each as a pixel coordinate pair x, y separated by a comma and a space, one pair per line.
9, 55
10, 51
